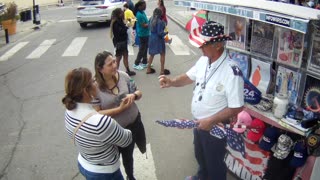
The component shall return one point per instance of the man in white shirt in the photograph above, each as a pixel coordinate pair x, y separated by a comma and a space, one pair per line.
217, 97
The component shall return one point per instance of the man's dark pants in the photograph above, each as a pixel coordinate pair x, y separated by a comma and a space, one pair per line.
210, 152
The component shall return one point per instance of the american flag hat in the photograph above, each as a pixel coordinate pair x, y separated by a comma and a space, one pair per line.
210, 31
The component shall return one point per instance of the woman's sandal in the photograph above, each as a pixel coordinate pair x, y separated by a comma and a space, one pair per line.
151, 71
165, 72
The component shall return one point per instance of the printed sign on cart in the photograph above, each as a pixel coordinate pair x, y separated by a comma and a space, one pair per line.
287, 82
237, 31
262, 38
260, 75
290, 47
242, 60
311, 95
314, 64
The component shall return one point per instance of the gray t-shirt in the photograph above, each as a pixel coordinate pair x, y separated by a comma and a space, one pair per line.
108, 100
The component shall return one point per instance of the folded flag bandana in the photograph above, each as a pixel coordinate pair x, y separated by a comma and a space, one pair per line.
234, 139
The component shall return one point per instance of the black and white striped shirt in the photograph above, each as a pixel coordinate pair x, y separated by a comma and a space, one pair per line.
97, 140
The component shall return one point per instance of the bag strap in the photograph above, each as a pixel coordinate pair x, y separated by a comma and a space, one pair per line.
80, 124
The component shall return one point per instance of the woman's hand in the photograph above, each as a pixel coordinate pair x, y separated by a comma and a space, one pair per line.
125, 103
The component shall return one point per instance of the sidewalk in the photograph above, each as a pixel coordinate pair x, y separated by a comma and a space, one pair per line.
23, 28
178, 14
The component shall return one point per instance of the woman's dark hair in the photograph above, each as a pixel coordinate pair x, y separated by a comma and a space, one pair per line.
115, 16
137, 5
157, 13
161, 2
75, 83
98, 65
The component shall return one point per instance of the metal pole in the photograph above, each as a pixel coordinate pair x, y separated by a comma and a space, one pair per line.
7, 35
34, 12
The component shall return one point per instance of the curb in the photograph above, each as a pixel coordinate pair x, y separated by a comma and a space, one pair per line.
177, 21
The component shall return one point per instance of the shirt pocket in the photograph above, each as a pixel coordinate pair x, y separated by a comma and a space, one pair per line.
215, 94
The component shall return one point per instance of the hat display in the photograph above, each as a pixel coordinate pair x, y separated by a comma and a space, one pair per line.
256, 131
209, 31
269, 138
300, 155
283, 147
313, 144
243, 120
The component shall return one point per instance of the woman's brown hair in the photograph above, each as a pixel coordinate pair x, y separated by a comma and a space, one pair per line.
75, 83
98, 65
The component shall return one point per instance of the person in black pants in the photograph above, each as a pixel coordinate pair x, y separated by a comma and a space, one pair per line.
142, 29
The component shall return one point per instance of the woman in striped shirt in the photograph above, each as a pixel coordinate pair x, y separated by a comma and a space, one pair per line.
98, 138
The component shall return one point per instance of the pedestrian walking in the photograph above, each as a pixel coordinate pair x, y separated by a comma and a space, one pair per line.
119, 37
157, 42
116, 97
164, 18
98, 156
217, 97
130, 20
142, 30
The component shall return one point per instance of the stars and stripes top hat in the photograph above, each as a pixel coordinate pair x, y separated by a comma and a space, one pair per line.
210, 31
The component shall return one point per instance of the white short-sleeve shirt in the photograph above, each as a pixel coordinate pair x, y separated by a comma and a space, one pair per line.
223, 89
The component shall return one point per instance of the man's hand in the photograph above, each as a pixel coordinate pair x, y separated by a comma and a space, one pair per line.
205, 124
164, 81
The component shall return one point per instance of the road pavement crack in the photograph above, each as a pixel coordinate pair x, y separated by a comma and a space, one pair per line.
3, 171
75, 176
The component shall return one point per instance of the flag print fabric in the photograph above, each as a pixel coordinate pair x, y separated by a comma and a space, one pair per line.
234, 139
244, 158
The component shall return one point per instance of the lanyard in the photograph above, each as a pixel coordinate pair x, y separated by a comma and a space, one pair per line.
206, 79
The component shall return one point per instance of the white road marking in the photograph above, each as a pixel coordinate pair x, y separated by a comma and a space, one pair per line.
75, 47
130, 49
178, 47
41, 49
143, 168
67, 20
12, 51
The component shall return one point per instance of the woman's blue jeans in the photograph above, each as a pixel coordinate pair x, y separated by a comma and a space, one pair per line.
100, 176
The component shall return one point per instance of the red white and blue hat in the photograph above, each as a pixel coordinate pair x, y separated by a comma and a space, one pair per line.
209, 31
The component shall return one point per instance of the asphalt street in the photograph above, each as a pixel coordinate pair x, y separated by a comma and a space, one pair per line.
33, 141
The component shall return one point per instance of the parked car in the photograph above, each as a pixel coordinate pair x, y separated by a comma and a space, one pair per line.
96, 11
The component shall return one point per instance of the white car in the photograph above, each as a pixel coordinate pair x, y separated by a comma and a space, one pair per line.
93, 11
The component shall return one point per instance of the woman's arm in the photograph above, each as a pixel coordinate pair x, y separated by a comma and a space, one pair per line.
109, 112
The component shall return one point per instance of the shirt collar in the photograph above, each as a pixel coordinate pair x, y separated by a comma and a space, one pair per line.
219, 60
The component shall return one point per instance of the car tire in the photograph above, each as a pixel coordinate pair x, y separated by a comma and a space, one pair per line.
83, 25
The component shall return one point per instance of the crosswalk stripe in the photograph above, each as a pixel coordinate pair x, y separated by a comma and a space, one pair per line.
130, 49
12, 51
75, 47
178, 47
144, 168
41, 49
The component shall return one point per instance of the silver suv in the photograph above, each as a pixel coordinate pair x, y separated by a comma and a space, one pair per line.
93, 11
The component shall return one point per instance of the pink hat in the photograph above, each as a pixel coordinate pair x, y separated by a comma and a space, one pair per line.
243, 120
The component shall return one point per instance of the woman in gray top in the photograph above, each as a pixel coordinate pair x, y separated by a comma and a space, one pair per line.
96, 136
116, 97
